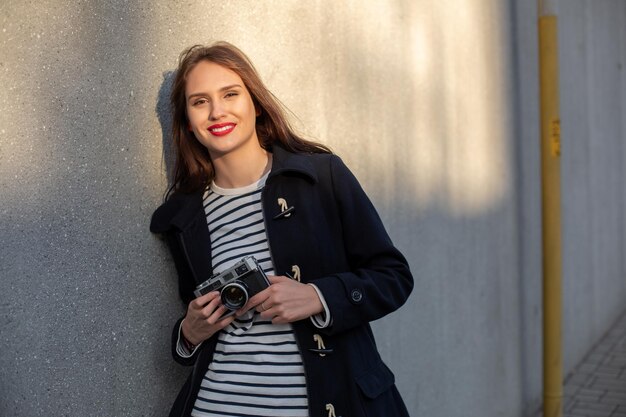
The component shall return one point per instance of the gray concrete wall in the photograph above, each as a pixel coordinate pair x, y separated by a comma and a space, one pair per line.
593, 106
432, 104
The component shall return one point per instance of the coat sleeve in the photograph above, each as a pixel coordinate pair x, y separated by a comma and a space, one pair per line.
186, 283
185, 289
379, 280
160, 225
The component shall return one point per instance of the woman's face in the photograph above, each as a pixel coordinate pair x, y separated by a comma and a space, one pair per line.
221, 113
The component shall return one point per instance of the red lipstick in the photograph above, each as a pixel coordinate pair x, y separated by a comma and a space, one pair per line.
221, 129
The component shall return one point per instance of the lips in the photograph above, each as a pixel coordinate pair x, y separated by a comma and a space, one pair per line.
221, 129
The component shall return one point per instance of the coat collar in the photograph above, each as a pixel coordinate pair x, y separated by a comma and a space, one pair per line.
285, 161
176, 212
180, 209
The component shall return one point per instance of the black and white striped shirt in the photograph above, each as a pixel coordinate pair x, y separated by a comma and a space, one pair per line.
257, 368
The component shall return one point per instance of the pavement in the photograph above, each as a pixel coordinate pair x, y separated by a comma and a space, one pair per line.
597, 386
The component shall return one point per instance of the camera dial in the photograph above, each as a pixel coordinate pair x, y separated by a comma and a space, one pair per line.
234, 295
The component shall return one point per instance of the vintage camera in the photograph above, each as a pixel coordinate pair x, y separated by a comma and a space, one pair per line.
236, 284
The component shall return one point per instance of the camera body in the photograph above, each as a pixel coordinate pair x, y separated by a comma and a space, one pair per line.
236, 284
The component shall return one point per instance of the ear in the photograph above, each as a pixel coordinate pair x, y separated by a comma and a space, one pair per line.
257, 110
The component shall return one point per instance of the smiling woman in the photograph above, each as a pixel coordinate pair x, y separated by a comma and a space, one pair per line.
193, 167
222, 115
248, 188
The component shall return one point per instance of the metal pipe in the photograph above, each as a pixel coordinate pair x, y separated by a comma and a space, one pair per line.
551, 209
547, 7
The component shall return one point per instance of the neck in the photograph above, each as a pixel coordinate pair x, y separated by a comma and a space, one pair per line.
248, 166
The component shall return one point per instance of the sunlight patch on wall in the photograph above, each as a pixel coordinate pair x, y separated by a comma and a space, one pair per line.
461, 110
412, 95
477, 142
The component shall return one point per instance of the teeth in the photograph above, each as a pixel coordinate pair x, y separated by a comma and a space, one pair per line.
222, 129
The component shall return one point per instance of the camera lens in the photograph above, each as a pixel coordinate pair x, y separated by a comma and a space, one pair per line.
234, 295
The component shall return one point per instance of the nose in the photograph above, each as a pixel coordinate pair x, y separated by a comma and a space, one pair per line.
217, 110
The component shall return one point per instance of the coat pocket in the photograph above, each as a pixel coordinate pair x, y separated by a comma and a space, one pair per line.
376, 381
380, 398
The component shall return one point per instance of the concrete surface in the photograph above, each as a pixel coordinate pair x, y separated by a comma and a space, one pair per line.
432, 104
596, 387
593, 106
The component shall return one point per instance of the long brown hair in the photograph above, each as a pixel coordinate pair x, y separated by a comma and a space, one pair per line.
193, 168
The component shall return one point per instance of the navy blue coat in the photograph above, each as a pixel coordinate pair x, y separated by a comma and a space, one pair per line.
335, 236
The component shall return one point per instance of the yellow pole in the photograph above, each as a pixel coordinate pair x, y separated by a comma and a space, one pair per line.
551, 209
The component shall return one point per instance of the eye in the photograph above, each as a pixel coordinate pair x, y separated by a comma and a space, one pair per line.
231, 94
199, 102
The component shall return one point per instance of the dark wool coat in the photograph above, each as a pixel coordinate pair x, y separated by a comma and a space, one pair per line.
334, 235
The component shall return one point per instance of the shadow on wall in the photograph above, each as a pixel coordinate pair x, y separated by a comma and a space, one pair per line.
164, 114
78, 239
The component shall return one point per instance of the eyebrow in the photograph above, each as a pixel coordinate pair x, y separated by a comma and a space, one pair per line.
228, 87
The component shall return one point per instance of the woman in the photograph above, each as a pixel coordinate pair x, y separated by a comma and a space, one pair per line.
246, 185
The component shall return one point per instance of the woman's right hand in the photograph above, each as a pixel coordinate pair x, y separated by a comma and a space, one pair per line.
203, 318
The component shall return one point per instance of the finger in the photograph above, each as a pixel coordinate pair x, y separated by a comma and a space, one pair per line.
268, 315
257, 299
226, 321
214, 317
251, 304
211, 307
203, 300
274, 279
263, 307
265, 314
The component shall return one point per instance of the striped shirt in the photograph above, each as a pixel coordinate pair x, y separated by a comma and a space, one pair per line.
257, 368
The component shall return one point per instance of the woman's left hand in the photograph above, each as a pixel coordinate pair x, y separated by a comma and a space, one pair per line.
285, 301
